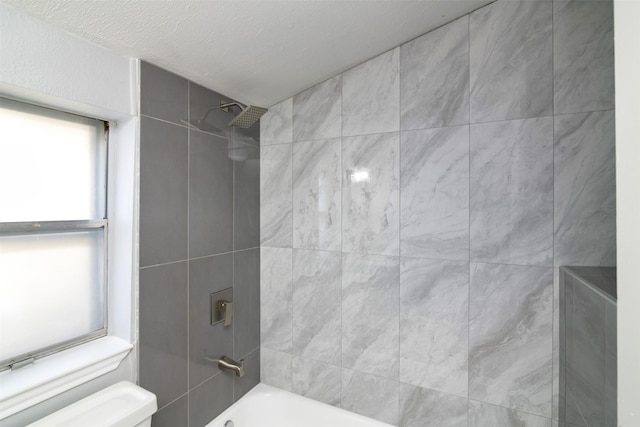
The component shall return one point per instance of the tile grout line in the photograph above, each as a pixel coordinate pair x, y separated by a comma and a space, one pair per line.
188, 254
469, 223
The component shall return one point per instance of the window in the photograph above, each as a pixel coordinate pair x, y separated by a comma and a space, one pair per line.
53, 231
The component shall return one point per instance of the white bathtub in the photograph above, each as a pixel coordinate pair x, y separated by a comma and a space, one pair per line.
266, 406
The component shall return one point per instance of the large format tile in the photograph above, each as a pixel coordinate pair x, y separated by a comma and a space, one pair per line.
434, 194
242, 386
207, 275
371, 194
163, 95
316, 195
371, 396
583, 56
163, 192
276, 295
585, 335
210, 195
434, 324
246, 197
510, 336
370, 300
317, 112
210, 399
420, 407
276, 126
486, 415
246, 297
512, 192
371, 96
511, 61
585, 189
611, 366
276, 368
317, 380
205, 113
276, 199
175, 414
163, 339
435, 78
317, 292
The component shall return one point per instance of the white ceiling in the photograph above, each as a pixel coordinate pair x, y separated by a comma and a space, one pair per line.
256, 51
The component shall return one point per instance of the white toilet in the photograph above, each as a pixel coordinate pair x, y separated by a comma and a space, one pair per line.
121, 405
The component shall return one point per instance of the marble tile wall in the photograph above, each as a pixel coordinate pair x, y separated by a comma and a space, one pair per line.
415, 210
199, 233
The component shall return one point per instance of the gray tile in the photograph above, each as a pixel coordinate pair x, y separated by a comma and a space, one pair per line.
434, 194
276, 126
276, 368
512, 192
611, 367
371, 96
207, 275
276, 295
317, 380
371, 194
421, 407
511, 61
176, 414
317, 112
163, 95
210, 195
241, 386
371, 396
486, 415
246, 197
435, 78
210, 399
585, 188
246, 297
370, 304
510, 334
276, 198
317, 291
317, 195
163, 192
205, 113
434, 324
585, 333
163, 338
583, 56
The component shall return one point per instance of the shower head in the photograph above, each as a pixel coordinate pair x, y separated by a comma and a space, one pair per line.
247, 117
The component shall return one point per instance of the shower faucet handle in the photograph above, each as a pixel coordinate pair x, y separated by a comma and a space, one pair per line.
226, 308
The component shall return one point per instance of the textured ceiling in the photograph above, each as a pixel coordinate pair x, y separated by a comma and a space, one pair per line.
258, 52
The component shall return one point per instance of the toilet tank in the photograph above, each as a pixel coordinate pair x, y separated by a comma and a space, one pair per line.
121, 405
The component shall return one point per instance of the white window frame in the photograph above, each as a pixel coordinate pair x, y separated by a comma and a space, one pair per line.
51, 375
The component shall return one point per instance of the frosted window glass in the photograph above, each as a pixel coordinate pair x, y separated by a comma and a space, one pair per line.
52, 289
51, 165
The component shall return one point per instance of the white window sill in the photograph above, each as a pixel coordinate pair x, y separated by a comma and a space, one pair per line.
59, 372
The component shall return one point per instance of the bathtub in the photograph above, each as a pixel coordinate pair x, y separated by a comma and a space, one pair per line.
266, 406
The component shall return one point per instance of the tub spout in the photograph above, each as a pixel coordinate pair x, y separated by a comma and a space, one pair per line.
228, 364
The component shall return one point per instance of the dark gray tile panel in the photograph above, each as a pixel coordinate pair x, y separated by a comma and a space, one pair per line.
246, 290
210, 195
207, 275
246, 197
210, 399
174, 415
163, 192
163, 338
162, 94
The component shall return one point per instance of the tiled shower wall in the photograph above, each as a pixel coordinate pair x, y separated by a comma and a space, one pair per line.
199, 233
415, 208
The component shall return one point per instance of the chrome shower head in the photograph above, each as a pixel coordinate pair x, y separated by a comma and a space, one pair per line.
247, 117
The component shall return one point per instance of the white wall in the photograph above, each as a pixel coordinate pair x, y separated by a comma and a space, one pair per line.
44, 65
38, 60
627, 51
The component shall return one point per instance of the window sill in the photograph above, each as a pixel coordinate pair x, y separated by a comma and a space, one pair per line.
57, 373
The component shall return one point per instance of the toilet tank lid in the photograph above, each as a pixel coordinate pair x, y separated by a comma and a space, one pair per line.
123, 404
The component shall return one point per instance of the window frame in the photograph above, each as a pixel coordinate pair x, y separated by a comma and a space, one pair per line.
24, 228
